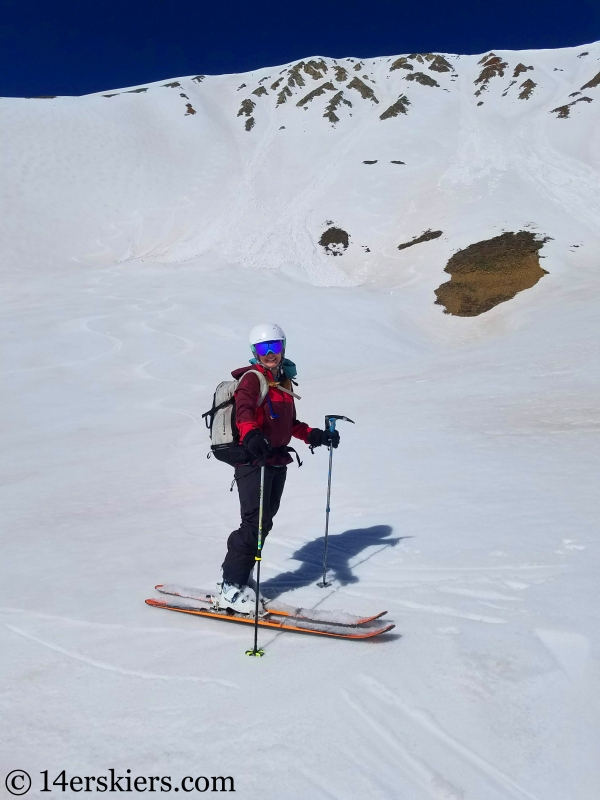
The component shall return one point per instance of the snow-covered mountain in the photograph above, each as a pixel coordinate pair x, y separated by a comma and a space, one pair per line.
257, 167
144, 231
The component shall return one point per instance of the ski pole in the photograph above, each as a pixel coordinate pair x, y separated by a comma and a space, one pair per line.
330, 422
258, 557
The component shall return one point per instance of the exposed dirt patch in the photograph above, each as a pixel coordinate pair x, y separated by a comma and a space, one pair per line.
259, 91
111, 95
581, 55
249, 123
358, 66
401, 63
341, 74
420, 77
53, 96
399, 107
324, 87
181, 94
491, 272
424, 237
519, 69
370, 162
439, 64
172, 85
276, 84
565, 111
190, 110
574, 94
333, 105
397, 162
198, 78
246, 108
242, 86
527, 88
335, 241
593, 83
365, 91
138, 91
266, 78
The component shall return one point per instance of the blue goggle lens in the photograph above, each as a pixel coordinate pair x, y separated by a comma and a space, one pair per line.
262, 348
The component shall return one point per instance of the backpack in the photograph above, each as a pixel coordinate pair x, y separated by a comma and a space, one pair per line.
225, 442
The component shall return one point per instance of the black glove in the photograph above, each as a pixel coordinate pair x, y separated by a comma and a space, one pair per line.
257, 444
317, 437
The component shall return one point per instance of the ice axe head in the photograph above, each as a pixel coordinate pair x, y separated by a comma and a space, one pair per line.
331, 419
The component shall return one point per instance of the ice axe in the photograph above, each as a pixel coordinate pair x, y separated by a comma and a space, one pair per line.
330, 423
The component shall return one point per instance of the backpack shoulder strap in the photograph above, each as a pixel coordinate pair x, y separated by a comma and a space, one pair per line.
264, 386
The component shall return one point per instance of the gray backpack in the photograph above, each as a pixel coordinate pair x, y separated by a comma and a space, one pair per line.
224, 435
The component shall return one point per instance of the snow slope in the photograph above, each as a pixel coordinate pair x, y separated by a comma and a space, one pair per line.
140, 244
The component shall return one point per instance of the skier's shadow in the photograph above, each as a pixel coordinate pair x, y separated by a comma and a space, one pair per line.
342, 548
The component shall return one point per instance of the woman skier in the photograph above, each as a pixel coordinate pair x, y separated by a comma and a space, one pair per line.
265, 431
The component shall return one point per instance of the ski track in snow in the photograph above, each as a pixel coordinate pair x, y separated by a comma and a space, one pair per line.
112, 668
425, 720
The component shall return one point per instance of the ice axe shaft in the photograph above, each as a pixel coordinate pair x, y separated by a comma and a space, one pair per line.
330, 423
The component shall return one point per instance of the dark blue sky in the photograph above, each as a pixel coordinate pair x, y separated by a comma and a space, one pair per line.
52, 47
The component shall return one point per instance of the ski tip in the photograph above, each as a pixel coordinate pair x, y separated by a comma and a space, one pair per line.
159, 586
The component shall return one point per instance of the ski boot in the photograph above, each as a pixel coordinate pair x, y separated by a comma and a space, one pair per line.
232, 596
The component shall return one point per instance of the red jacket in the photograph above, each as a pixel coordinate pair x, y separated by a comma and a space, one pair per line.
275, 417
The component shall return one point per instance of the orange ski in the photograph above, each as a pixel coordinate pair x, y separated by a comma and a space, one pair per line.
275, 607
319, 628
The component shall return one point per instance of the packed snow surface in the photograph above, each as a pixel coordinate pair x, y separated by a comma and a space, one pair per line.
144, 232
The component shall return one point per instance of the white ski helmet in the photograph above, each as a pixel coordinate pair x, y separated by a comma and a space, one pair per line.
266, 332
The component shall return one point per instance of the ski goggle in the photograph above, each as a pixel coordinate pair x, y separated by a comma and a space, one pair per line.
263, 348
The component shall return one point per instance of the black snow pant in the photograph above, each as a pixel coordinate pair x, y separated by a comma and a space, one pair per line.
243, 543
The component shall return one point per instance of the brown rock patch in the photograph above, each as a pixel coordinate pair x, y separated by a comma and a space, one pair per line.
316, 69
365, 91
283, 95
333, 105
401, 63
420, 77
527, 88
439, 64
324, 87
424, 237
491, 272
493, 67
335, 241
519, 69
593, 83
564, 111
399, 107
246, 108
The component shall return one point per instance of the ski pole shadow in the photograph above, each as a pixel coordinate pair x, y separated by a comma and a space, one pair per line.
341, 549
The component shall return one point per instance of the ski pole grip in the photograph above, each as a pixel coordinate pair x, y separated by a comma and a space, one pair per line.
331, 419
